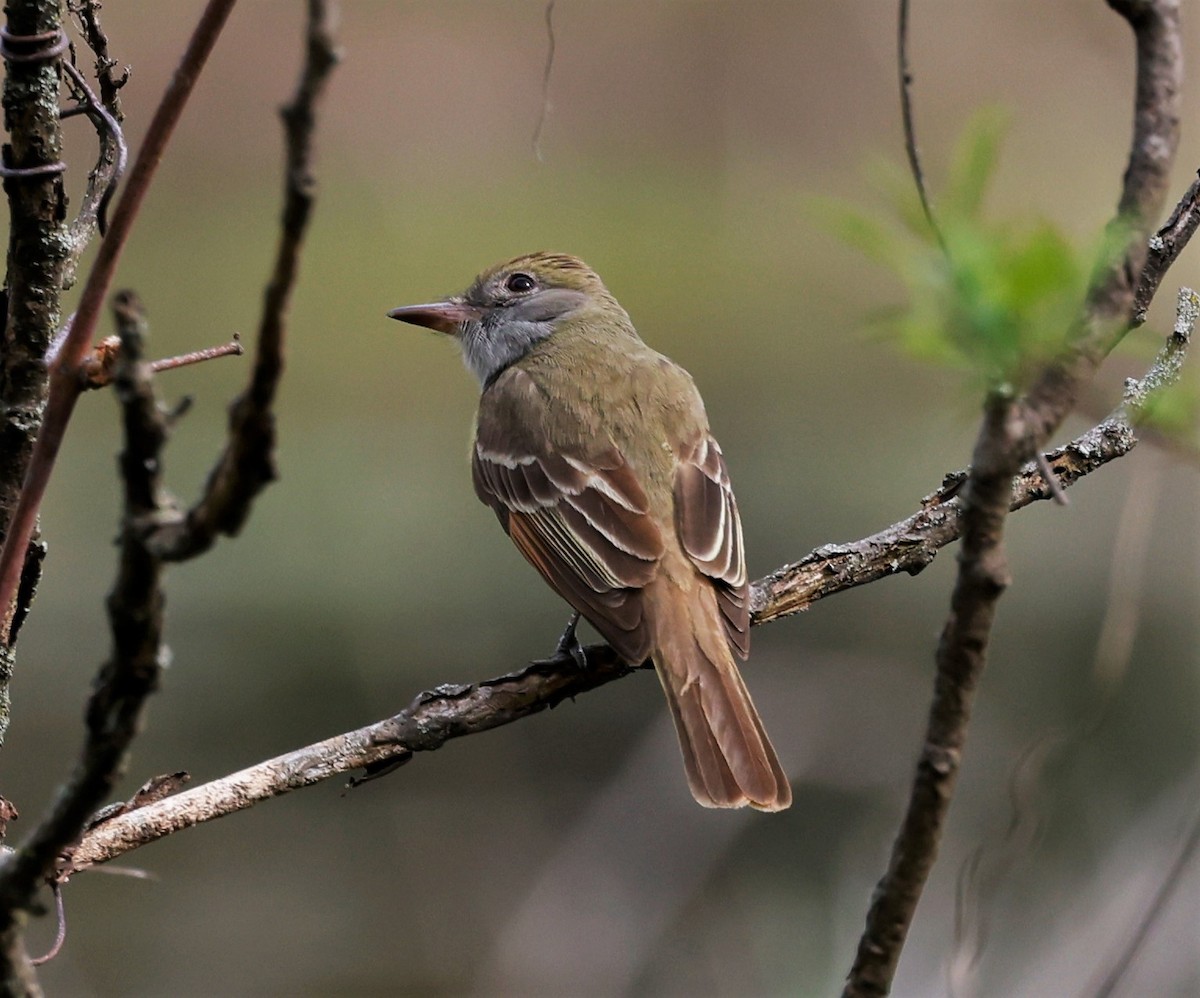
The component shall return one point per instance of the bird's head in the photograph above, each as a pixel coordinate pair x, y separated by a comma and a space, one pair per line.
515, 305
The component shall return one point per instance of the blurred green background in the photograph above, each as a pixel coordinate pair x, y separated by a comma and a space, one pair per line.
684, 146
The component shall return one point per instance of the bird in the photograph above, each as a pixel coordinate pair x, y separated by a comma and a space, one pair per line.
594, 452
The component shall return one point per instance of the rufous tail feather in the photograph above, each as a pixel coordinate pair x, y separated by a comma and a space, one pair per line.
728, 758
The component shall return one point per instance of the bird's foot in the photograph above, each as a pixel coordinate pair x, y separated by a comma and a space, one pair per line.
568, 647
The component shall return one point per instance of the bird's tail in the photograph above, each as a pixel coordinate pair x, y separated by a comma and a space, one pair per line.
727, 755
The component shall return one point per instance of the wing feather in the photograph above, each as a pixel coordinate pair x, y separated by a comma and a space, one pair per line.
582, 520
710, 530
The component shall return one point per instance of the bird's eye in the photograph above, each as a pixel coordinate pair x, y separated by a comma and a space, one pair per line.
520, 283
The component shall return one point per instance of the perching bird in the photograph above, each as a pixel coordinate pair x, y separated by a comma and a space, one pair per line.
595, 454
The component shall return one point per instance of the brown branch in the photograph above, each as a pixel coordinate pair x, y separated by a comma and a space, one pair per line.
961, 656
453, 711
65, 383
131, 674
247, 465
989, 866
1012, 430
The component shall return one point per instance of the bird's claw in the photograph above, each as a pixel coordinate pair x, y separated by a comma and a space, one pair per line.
568, 646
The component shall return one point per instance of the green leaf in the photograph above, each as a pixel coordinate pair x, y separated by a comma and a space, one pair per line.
974, 162
1001, 298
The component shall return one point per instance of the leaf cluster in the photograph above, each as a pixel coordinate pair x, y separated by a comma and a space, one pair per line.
995, 298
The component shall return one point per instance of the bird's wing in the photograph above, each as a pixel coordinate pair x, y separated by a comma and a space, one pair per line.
583, 523
706, 517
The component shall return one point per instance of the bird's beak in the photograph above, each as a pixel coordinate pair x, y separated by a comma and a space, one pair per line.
444, 316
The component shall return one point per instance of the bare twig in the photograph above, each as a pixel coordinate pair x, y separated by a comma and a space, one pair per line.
1165, 245
961, 656
65, 384
247, 465
988, 867
452, 711
98, 368
910, 133
1012, 430
135, 606
1056, 492
60, 936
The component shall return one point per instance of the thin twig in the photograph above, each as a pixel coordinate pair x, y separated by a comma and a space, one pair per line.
233, 348
60, 936
910, 133
1048, 476
65, 383
87, 14
98, 368
1165, 245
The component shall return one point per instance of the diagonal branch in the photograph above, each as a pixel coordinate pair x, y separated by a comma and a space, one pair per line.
453, 711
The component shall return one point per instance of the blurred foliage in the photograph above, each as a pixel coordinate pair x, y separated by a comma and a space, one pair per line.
994, 297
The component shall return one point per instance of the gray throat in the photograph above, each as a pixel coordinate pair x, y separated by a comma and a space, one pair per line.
490, 346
